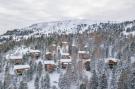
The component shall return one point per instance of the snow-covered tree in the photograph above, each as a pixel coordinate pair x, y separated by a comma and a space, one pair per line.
45, 81
102, 82
7, 80
131, 81
1, 85
54, 87
93, 81
83, 86
23, 85
63, 82
36, 83
39, 69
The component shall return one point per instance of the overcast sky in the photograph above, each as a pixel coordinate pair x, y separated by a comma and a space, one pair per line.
21, 13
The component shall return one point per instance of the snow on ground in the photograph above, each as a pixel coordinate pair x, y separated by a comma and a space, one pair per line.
110, 80
133, 59
88, 74
112, 59
129, 33
17, 52
2, 76
54, 78
14, 57
73, 87
39, 60
31, 84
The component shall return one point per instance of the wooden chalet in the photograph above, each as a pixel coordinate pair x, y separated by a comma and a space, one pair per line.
49, 65
111, 62
49, 55
15, 59
20, 69
83, 54
65, 56
65, 60
34, 53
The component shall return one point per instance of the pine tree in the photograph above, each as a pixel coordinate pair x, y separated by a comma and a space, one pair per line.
103, 82
7, 80
45, 82
12, 87
39, 69
36, 83
23, 85
83, 86
54, 87
63, 82
1, 85
132, 80
94, 81
122, 83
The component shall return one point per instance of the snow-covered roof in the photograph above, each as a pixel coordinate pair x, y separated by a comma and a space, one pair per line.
64, 42
21, 67
49, 62
34, 51
48, 52
66, 54
73, 44
65, 60
88, 60
14, 57
112, 59
53, 44
82, 52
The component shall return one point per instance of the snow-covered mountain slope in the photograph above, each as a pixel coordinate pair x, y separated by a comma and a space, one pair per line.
69, 26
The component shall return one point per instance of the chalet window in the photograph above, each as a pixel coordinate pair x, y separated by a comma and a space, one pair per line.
87, 66
19, 71
112, 64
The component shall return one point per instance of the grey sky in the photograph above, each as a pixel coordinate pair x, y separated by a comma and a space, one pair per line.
20, 13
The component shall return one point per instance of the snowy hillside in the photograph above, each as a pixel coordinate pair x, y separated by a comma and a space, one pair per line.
68, 27
72, 54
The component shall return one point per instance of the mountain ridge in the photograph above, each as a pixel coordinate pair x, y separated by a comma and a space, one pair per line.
69, 27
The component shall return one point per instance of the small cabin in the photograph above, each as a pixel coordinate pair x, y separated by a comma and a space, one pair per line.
65, 56
65, 60
64, 43
64, 63
49, 55
15, 59
20, 69
49, 65
111, 62
83, 54
34, 53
